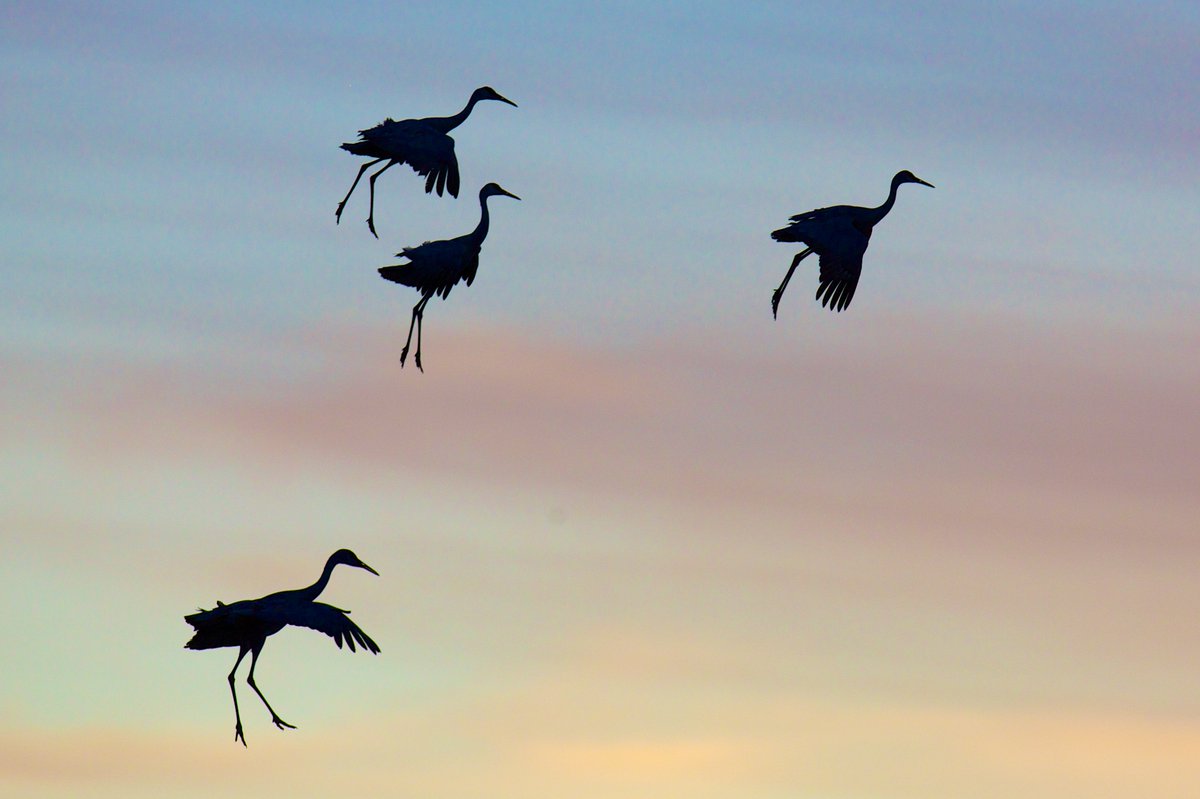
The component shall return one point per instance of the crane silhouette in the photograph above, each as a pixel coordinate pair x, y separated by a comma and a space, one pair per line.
435, 266
423, 144
839, 235
248, 623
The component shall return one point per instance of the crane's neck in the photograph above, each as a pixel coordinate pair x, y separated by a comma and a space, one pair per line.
481, 230
447, 124
314, 590
881, 211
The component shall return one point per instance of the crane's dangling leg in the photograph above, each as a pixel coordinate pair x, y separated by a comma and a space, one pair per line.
371, 183
420, 324
418, 309
408, 341
280, 723
237, 732
342, 204
778, 295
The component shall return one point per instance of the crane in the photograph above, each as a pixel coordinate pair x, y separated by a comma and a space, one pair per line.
435, 266
839, 235
248, 623
423, 144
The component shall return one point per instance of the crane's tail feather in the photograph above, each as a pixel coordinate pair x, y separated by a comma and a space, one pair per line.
399, 273
212, 627
788, 233
359, 148
203, 618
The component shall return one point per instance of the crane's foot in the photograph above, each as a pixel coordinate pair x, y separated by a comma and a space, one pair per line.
237, 734
417, 361
338, 213
371, 226
775, 298
281, 724
403, 355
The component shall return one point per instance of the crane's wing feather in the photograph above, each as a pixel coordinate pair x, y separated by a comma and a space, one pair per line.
829, 212
335, 623
833, 235
826, 229
427, 150
229, 625
436, 266
839, 279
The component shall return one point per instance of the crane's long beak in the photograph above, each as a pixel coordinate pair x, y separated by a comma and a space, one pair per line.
507, 193
925, 183
504, 99
368, 568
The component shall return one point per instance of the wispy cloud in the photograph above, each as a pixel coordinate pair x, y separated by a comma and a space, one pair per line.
1048, 413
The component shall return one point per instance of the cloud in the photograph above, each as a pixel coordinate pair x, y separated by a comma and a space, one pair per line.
1050, 415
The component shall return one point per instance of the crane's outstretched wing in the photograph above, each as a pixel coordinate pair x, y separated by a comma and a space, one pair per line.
334, 623
435, 265
427, 150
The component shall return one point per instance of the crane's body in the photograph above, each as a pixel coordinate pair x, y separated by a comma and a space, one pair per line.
435, 267
839, 236
423, 144
247, 625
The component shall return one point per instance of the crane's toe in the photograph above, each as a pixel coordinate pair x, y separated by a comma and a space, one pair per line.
281, 724
238, 736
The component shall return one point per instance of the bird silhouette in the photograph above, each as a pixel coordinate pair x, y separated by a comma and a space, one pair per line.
248, 623
839, 235
423, 144
435, 266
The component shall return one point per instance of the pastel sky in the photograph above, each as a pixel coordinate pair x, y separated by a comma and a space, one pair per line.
635, 537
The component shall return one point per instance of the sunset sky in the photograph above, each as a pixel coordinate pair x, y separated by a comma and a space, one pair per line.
635, 537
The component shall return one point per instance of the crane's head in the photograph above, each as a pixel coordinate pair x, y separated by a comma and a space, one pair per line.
488, 93
492, 189
904, 176
345, 557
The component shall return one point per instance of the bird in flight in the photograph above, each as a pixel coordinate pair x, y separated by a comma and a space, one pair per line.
839, 236
248, 623
423, 144
436, 266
